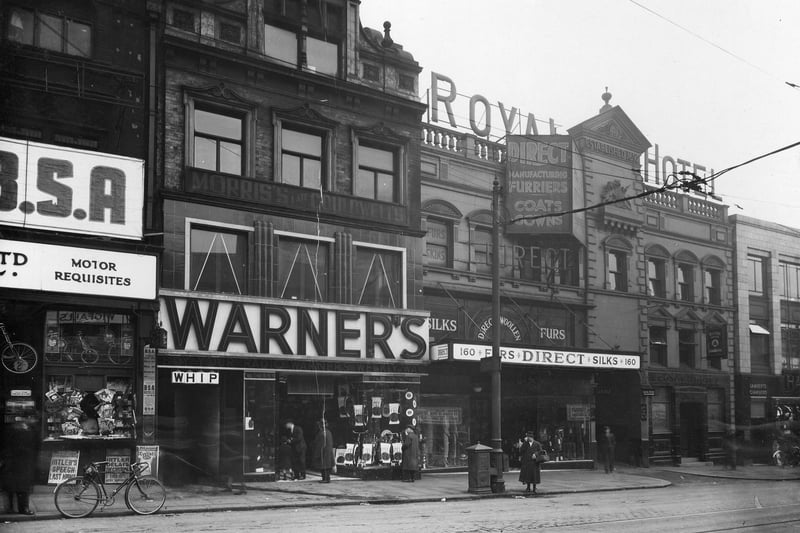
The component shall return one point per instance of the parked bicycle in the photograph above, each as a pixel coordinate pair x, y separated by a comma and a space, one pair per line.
18, 357
79, 496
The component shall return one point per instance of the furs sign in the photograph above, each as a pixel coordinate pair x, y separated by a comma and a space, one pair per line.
277, 328
63, 189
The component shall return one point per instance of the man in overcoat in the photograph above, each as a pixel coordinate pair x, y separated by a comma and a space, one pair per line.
299, 448
322, 451
410, 463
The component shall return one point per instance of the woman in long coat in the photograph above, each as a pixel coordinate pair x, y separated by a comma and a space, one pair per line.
530, 473
322, 451
410, 463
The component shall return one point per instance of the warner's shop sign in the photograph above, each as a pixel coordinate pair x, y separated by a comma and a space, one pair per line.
55, 188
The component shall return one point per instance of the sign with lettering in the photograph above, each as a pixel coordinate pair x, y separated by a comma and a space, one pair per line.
47, 267
716, 342
579, 411
236, 324
192, 377
439, 415
545, 357
118, 467
149, 381
150, 455
757, 390
539, 183
61, 189
63, 465
482, 114
657, 169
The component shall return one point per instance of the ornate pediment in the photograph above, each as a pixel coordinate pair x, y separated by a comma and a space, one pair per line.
611, 134
379, 129
219, 91
304, 113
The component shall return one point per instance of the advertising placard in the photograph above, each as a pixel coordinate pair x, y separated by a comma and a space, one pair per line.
539, 183
51, 268
119, 462
149, 454
65, 189
63, 465
546, 357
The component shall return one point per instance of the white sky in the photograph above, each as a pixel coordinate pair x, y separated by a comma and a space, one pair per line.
554, 58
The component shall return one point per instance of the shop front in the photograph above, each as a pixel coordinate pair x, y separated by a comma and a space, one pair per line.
688, 415
551, 391
237, 368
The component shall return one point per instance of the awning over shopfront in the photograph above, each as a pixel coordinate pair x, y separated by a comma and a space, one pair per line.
549, 356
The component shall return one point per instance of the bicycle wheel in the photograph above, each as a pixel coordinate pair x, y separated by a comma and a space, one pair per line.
77, 497
145, 495
19, 357
90, 356
120, 358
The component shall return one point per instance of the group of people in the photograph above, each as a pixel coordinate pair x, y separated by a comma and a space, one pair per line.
292, 451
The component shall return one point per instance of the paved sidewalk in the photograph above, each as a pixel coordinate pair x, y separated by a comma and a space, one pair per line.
752, 472
348, 491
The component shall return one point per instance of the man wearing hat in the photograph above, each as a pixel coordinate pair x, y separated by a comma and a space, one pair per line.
410, 463
531, 455
298, 443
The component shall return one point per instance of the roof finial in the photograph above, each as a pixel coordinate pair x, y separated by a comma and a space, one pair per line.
606, 98
387, 39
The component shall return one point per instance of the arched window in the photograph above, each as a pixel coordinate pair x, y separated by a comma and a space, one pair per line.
713, 268
657, 257
685, 269
617, 254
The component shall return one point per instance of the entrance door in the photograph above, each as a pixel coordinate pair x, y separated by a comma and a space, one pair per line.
691, 414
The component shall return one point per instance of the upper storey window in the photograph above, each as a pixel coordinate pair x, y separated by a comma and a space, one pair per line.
50, 32
377, 176
307, 38
217, 141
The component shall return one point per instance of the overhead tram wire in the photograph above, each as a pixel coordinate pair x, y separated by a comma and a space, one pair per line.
677, 184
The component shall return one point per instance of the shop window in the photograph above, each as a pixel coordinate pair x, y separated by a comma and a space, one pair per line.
439, 243
712, 283
378, 176
759, 346
685, 282
378, 276
217, 140
218, 261
260, 418
302, 160
755, 278
89, 375
789, 278
445, 429
656, 278
658, 345
617, 278
661, 411
687, 347
715, 406
51, 32
481, 247
303, 269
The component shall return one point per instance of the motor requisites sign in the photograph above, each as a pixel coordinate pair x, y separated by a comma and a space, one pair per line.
543, 356
64, 189
241, 325
539, 184
47, 267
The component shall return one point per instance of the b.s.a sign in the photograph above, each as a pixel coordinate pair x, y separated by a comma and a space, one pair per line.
63, 189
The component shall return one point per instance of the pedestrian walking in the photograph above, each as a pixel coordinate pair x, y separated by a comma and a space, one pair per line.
20, 453
531, 454
299, 448
729, 446
608, 446
322, 451
410, 463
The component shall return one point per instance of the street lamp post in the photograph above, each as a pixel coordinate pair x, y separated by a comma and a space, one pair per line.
497, 441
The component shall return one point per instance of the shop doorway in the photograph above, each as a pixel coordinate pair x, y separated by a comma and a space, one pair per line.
691, 428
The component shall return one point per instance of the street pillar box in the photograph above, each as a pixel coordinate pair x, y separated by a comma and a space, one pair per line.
479, 469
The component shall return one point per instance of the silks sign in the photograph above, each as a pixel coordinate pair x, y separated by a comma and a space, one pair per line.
243, 325
538, 356
63, 189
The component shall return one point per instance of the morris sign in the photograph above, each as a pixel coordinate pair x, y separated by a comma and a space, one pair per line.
63, 189
243, 325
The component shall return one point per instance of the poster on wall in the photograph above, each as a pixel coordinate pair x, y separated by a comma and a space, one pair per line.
63, 465
150, 455
538, 184
119, 462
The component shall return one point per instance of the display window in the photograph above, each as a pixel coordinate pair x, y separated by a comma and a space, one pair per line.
89, 382
445, 429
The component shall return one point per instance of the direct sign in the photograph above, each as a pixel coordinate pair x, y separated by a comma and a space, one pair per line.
61, 189
47, 267
546, 357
